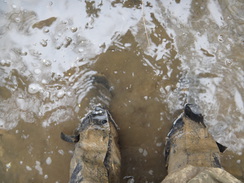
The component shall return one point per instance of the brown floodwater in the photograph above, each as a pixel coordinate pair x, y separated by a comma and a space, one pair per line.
156, 55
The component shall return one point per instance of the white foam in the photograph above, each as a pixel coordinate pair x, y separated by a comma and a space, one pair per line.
60, 151
140, 150
48, 161
181, 11
159, 144
60, 93
34, 88
38, 167
28, 168
216, 13
150, 172
145, 153
239, 101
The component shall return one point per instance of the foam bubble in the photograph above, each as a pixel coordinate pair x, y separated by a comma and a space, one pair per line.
60, 94
145, 153
48, 160
34, 88
37, 71
28, 168
38, 167
140, 150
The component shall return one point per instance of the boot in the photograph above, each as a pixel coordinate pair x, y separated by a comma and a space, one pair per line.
96, 157
191, 153
189, 142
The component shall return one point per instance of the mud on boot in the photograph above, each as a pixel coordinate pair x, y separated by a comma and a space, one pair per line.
191, 154
189, 143
96, 156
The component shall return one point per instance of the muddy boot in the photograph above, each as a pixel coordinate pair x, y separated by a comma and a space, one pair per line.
191, 153
96, 157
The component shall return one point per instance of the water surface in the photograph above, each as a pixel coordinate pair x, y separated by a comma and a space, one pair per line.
156, 56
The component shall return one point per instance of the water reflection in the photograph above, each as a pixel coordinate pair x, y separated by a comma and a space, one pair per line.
156, 55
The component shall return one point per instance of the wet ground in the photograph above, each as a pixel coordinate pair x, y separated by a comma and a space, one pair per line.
156, 56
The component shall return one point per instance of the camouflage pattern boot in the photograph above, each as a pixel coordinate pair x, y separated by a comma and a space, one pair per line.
191, 153
96, 158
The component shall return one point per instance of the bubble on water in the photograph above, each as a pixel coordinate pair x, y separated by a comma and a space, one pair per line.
21, 162
2, 62
34, 88
38, 167
60, 151
45, 176
69, 94
159, 144
220, 38
45, 124
46, 94
228, 62
145, 153
46, 62
37, 71
43, 43
168, 88
8, 166
44, 81
60, 94
46, 30
80, 50
17, 19
239, 153
48, 161
67, 42
14, 6
140, 150
150, 172
28, 168
73, 29
238, 161
23, 53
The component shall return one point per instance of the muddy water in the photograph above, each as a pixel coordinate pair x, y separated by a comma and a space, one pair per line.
156, 55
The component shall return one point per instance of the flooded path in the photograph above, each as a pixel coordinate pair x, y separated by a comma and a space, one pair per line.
156, 55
